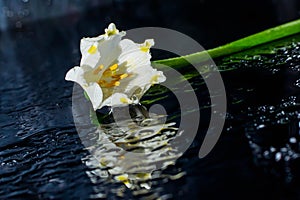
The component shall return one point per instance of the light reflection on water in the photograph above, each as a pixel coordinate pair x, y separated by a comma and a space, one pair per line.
112, 160
130, 152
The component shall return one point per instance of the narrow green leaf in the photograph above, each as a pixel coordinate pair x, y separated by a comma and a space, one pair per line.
260, 38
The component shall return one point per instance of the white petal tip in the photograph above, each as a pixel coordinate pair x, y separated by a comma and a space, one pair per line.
71, 75
150, 42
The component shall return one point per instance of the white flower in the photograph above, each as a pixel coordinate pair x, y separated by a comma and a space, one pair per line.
114, 72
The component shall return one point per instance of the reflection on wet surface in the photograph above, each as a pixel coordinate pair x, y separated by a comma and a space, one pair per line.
134, 154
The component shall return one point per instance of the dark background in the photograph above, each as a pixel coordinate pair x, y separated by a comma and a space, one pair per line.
40, 152
210, 22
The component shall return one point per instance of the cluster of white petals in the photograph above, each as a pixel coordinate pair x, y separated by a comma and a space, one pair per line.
114, 71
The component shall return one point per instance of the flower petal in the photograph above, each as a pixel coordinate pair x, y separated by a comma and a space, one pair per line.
76, 75
137, 62
134, 54
90, 54
101, 50
139, 81
116, 99
111, 30
104, 52
109, 50
86, 43
93, 90
95, 94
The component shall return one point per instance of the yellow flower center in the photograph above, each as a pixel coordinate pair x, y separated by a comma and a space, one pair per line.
98, 69
109, 77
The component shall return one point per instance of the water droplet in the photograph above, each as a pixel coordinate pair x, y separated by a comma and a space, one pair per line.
284, 149
266, 153
287, 158
19, 24
9, 13
278, 156
257, 57
260, 126
297, 83
288, 59
272, 108
296, 67
293, 140
272, 149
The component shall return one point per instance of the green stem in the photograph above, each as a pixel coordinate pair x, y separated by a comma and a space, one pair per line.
263, 37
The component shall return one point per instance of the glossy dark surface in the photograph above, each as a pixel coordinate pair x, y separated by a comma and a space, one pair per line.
41, 154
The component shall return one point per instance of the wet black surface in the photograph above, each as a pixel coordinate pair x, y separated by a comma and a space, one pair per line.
42, 156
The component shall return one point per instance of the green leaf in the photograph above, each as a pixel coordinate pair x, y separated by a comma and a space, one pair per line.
267, 36
94, 118
86, 95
